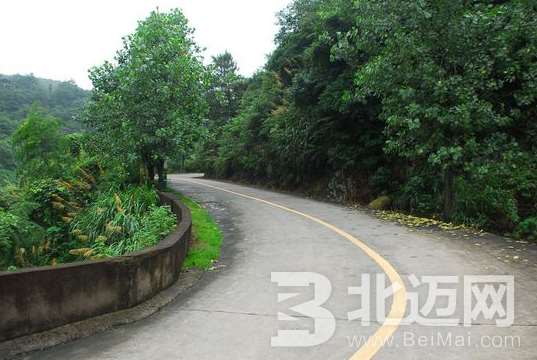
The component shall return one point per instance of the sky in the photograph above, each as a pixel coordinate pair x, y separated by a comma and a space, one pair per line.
62, 39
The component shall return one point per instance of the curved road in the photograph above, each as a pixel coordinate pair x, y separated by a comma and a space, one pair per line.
234, 311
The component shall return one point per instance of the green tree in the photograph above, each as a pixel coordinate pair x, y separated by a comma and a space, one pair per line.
39, 146
430, 102
225, 89
150, 105
224, 93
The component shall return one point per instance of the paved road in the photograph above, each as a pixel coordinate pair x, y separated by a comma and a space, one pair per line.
233, 312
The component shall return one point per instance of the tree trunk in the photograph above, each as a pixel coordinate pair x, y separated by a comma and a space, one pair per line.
149, 165
150, 172
161, 171
142, 173
449, 194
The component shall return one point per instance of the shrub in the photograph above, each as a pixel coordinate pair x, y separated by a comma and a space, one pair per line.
527, 229
156, 224
420, 195
498, 194
20, 241
118, 222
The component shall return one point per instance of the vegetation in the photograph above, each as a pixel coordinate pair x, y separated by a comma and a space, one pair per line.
119, 222
62, 99
224, 92
430, 103
82, 196
427, 107
18, 93
149, 105
71, 205
206, 239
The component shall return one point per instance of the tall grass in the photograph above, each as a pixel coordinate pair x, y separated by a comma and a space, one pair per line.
119, 222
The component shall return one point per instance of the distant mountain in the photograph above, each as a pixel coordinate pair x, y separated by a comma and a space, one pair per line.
63, 99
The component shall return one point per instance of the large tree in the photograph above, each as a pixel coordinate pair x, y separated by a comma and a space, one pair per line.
225, 90
224, 94
150, 104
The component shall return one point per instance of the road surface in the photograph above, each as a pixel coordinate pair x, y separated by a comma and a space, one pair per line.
234, 311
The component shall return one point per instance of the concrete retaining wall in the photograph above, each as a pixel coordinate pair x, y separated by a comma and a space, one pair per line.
39, 299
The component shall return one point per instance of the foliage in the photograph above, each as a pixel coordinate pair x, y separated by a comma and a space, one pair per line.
62, 185
430, 102
39, 146
120, 209
74, 197
118, 222
158, 223
225, 89
223, 94
20, 241
63, 99
527, 229
18, 96
150, 104
7, 160
447, 102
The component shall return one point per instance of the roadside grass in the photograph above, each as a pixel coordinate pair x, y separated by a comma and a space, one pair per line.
206, 236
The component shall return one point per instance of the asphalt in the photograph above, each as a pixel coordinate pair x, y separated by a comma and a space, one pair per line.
232, 313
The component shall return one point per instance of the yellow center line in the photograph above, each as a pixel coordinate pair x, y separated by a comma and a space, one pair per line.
397, 310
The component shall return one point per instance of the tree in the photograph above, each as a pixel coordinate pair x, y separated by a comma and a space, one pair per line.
430, 102
150, 104
225, 90
39, 146
224, 94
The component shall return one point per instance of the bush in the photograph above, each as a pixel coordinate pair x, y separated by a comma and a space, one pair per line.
118, 222
419, 195
497, 195
527, 229
20, 241
486, 205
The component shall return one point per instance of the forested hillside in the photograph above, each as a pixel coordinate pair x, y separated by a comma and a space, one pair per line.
18, 93
63, 99
429, 103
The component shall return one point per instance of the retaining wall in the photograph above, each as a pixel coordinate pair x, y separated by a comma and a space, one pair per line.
38, 299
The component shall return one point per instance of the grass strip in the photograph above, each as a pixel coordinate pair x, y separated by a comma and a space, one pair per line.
206, 236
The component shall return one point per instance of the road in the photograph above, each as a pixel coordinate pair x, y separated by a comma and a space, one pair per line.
232, 313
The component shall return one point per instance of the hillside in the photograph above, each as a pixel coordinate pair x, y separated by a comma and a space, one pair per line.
62, 99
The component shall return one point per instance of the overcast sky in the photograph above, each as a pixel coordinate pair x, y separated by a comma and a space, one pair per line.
62, 39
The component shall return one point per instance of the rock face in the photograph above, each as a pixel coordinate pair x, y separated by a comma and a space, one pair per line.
381, 203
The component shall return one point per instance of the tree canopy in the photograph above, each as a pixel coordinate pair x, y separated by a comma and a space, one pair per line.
150, 104
430, 102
